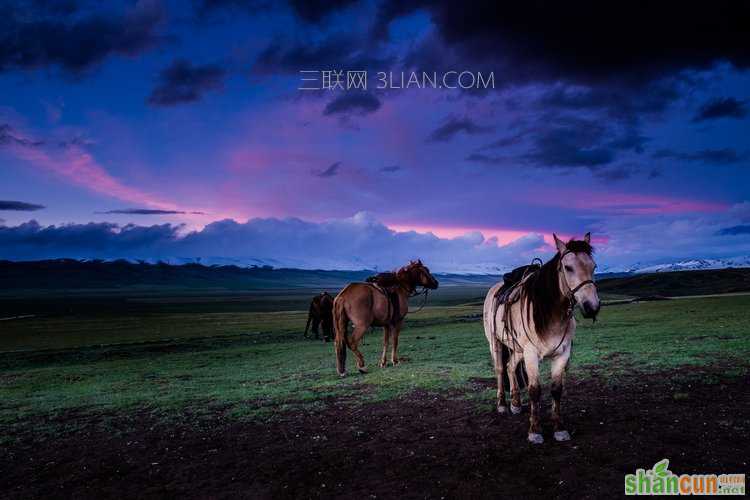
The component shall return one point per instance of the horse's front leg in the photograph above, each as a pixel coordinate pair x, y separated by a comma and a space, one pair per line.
395, 331
531, 359
559, 367
386, 336
515, 389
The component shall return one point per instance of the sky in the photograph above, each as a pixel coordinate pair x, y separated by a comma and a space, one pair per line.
184, 130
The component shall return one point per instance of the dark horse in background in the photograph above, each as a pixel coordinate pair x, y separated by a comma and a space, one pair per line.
382, 302
321, 314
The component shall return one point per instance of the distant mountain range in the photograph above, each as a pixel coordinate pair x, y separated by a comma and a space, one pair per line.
482, 268
97, 274
61, 274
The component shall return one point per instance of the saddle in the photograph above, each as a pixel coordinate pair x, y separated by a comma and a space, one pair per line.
513, 278
388, 283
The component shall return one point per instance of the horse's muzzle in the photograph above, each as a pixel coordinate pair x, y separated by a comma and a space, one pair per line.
590, 310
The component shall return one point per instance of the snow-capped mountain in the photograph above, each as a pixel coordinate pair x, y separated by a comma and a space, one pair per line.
694, 265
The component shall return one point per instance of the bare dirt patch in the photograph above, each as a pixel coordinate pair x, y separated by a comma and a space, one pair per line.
422, 446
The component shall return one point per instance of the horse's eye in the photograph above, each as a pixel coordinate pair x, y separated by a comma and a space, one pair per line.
569, 269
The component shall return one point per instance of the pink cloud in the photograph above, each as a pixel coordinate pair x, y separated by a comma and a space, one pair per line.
613, 203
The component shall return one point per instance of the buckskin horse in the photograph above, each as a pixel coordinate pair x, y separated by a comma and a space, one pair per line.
321, 314
366, 304
534, 320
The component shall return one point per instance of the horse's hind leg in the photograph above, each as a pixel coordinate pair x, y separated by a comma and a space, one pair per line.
316, 328
498, 352
356, 337
559, 365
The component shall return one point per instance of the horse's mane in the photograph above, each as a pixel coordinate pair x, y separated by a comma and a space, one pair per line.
542, 289
402, 276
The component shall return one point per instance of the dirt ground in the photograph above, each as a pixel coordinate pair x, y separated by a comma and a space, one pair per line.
421, 446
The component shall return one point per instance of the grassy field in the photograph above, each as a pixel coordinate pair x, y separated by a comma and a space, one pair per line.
256, 363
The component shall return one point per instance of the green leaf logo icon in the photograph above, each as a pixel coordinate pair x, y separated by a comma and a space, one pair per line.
660, 468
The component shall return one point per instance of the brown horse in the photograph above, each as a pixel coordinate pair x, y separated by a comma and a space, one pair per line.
366, 304
534, 320
321, 314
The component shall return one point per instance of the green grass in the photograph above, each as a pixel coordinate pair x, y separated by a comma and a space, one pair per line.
252, 364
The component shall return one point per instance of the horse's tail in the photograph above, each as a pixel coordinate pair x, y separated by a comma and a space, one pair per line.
340, 323
309, 319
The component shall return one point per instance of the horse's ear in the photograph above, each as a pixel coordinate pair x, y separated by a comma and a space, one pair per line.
587, 238
559, 243
419, 261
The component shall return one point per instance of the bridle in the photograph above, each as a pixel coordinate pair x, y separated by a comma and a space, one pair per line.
413, 293
571, 294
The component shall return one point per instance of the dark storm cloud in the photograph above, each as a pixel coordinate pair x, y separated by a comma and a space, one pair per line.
615, 100
728, 107
487, 159
182, 82
561, 148
337, 52
34, 37
589, 41
353, 102
204, 7
505, 142
10, 137
569, 142
721, 156
391, 169
148, 211
331, 171
314, 11
735, 230
453, 126
19, 206
613, 174
564, 141
309, 11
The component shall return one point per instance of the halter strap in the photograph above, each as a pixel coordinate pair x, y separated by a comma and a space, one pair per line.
571, 295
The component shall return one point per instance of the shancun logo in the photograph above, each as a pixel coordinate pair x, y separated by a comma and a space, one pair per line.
661, 481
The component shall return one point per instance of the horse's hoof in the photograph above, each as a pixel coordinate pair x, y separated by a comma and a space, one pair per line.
515, 410
362, 370
502, 409
562, 436
535, 438
342, 374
